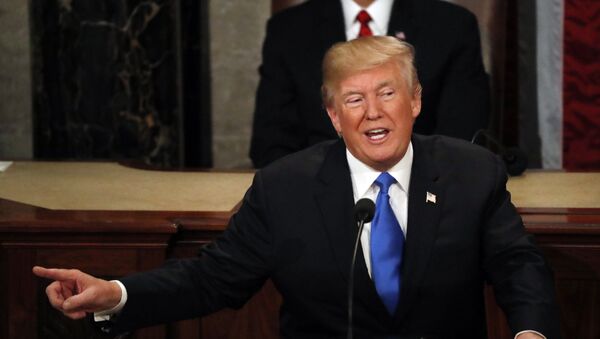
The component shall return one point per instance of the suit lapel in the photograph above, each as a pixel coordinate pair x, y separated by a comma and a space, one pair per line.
426, 199
404, 21
336, 202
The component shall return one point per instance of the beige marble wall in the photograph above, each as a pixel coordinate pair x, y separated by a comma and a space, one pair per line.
15, 81
237, 30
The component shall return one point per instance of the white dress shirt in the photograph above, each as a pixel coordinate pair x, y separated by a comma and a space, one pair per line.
379, 10
106, 314
363, 186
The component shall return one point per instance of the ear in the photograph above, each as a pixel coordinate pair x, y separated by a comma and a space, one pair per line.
333, 116
415, 104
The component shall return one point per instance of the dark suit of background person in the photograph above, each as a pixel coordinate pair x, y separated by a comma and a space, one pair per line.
295, 226
289, 114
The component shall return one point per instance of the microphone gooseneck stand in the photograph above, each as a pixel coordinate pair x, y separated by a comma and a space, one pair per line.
363, 213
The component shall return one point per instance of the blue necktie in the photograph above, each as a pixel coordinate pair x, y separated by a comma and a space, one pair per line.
387, 243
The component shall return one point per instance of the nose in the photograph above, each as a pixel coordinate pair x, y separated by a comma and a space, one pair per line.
373, 111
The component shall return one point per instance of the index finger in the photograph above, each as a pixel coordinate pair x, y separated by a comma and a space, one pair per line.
54, 273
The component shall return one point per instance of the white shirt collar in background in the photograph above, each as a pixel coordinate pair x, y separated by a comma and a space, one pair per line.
379, 11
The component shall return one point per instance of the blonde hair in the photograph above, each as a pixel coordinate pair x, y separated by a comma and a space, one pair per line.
344, 59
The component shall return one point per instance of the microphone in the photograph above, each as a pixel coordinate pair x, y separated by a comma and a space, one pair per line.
363, 213
364, 210
514, 158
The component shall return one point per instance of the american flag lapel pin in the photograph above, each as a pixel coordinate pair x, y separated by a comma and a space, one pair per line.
400, 36
430, 197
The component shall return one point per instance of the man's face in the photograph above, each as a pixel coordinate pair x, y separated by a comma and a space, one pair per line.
375, 111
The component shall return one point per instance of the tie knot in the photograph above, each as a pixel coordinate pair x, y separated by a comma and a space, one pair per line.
363, 17
384, 181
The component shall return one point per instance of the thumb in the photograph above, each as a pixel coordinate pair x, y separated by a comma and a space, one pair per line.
83, 301
71, 307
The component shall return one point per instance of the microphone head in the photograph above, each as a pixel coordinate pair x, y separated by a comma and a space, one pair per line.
515, 160
364, 210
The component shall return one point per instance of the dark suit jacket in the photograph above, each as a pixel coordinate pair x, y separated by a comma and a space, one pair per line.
295, 226
289, 115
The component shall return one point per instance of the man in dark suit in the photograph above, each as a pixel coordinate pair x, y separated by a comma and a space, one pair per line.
289, 115
443, 226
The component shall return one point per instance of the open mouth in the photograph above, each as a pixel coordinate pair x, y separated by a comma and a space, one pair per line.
377, 134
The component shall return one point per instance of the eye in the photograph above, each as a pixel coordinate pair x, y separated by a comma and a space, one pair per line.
354, 101
387, 93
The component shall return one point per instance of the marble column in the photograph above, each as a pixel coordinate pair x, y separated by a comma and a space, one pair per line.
237, 29
105, 80
15, 81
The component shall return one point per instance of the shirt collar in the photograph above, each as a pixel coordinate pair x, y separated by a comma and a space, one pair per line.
363, 176
379, 11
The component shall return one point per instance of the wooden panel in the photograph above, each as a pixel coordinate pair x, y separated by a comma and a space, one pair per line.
90, 260
106, 262
580, 307
104, 244
570, 240
111, 244
21, 293
574, 262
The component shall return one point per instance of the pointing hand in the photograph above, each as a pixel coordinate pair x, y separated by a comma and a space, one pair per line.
75, 293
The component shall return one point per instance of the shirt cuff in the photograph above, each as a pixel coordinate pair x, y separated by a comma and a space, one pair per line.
530, 331
105, 315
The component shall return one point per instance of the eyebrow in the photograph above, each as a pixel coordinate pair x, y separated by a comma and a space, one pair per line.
349, 93
384, 83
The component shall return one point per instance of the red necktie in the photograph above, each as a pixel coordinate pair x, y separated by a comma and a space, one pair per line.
363, 17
